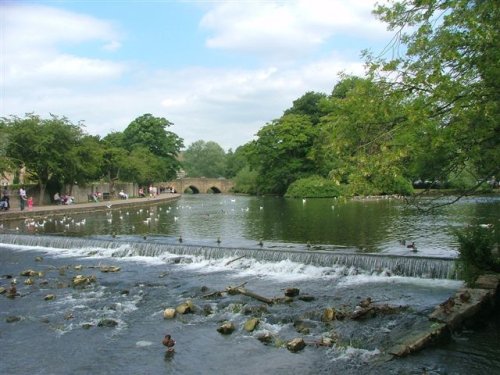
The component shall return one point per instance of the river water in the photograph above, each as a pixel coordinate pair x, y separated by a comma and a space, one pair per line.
337, 252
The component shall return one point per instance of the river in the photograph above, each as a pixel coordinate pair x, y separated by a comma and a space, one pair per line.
337, 252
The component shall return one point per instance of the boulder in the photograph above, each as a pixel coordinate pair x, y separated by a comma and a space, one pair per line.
265, 338
251, 324
49, 297
12, 319
292, 292
466, 306
185, 308
109, 268
28, 281
306, 298
226, 328
80, 280
328, 314
303, 326
2, 290
490, 281
296, 345
169, 313
29, 273
106, 322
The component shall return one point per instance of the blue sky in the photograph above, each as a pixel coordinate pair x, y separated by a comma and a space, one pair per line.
219, 70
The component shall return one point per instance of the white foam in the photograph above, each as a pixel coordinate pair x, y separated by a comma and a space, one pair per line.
383, 278
349, 353
142, 344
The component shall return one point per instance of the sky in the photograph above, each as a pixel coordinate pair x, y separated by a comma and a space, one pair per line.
219, 70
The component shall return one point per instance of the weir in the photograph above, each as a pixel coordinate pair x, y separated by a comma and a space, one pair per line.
409, 266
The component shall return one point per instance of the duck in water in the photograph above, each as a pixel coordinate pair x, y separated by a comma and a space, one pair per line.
169, 342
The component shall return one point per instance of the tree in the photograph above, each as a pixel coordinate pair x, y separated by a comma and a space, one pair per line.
143, 167
360, 140
308, 104
114, 157
281, 153
204, 159
237, 160
150, 132
7, 164
450, 77
84, 162
43, 146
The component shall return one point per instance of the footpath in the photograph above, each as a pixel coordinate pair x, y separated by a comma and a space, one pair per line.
53, 210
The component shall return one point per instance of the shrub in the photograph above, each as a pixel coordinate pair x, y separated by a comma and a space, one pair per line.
314, 187
476, 253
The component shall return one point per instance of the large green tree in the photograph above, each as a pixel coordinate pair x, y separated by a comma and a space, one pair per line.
281, 153
204, 159
449, 77
151, 133
44, 147
360, 142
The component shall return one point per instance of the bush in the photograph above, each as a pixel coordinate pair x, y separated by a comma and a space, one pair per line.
382, 184
476, 253
314, 187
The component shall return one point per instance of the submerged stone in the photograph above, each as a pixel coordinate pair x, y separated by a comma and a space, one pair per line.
292, 292
109, 269
226, 328
251, 324
12, 319
169, 313
29, 273
106, 322
296, 345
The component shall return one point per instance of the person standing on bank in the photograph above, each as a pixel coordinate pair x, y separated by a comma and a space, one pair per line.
5, 201
22, 197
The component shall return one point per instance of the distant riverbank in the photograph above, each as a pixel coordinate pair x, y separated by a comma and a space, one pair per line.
51, 210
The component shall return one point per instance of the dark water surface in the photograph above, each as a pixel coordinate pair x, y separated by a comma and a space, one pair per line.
159, 272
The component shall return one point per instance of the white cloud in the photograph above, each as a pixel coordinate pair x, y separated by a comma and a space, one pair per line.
226, 105
286, 29
34, 38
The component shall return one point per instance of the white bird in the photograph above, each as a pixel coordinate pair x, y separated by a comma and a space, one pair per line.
304, 201
108, 205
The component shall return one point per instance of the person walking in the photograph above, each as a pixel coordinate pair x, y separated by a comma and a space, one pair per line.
22, 197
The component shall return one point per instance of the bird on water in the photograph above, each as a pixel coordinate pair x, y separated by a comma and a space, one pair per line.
169, 342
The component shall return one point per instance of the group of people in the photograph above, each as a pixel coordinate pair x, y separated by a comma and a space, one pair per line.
24, 200
63, 199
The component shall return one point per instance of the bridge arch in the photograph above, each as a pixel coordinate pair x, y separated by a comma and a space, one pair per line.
191, 189
201, 185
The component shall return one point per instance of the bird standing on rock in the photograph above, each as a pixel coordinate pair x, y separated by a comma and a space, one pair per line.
169, 342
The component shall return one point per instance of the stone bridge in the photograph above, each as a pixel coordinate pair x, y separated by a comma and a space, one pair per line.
201, 185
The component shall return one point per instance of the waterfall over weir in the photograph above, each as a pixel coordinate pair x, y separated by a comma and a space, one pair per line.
410, 266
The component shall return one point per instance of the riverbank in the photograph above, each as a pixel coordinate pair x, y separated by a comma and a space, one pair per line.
55, 210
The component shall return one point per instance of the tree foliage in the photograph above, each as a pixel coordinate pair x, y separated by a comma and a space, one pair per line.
280, 154
44, 147
204, 159
151, 133
55, 152
450, 77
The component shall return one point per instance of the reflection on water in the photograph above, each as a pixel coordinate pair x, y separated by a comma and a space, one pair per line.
380, 225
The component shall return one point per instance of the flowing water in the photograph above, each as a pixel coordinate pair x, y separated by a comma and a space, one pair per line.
337, 252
